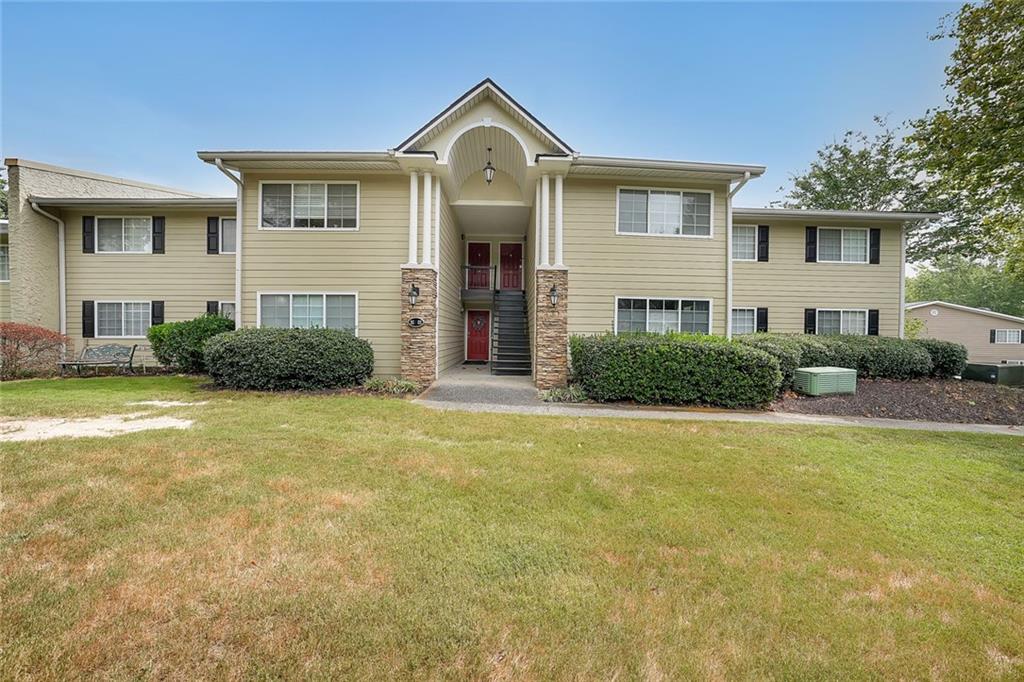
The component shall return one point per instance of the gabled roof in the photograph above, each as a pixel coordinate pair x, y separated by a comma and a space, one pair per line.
967, 309
486, 88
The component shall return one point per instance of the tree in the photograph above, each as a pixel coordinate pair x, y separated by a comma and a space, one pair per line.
3, 197
979, 285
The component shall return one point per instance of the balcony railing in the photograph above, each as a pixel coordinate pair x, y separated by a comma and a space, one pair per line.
479, 277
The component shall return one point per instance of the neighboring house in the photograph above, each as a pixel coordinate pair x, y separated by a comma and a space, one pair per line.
989, 337
482, 237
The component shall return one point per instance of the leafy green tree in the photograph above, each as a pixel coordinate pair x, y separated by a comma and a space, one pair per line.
3, 197
979, 285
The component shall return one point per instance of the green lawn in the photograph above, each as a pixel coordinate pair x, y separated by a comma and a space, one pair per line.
329, 536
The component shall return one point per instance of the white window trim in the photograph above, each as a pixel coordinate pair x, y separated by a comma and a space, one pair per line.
7, 247
734, 310
220, 308
220, 236
290, 294
840, 311
259, 206
745, 260
96, 236
710, 302
842, 240
711, 214
96, 319
1008, 333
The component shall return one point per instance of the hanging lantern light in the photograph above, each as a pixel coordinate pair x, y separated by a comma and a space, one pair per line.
489, 168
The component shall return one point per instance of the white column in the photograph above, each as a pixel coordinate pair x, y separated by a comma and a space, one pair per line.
437, 223
545, 218
558, 220
536, 225
428, 214
414, 190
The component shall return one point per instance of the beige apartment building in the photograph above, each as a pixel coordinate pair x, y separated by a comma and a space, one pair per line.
482, 237
989, 337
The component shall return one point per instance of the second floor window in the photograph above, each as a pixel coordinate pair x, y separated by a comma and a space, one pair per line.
842, 245
124, 235
227, 235
664, 212
744, 242
310, 205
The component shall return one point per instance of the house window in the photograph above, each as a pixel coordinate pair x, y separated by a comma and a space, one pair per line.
5, 259
842, 322
842, 245
744, 242
664, 212
124, 235
310, 205
1008, 335
744, 320
226, 309
662, 315
227, 235
306, 311
122, 319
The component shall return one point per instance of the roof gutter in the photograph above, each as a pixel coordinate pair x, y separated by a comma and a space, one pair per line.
728, 252
239, 187
62, 303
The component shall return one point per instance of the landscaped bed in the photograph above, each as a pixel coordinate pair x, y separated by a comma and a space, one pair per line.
938, 400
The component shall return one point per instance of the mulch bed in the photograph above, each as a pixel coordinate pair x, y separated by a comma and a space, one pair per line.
928, 399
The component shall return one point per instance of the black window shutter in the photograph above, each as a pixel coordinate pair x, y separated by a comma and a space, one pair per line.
762, 319
873, 322
762, 243
88, 234
212, 307
158, 234
213, 234
156, 313
991, 335
88, 319
810, 320
875, 246
811, 245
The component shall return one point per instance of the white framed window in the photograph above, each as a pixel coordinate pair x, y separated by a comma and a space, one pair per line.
744, 242
287, 310
226, 309
1008, 335
227, 236
309, 206
841, 322
122, 319
5, 259
662, 315
128, 234
744, 320
663, 212
842, 245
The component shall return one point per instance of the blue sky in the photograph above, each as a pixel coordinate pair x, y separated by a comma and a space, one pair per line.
136, 89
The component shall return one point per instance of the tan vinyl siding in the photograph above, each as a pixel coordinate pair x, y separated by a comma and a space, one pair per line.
451, 327
367, 261
185, 277
786, 285
603, 264
5, 301
971, 329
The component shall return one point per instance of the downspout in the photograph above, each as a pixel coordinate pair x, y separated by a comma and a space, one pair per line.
238, 238
62, 303
903, 280
728, 252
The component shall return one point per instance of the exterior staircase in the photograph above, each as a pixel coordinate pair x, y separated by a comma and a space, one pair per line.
510, 345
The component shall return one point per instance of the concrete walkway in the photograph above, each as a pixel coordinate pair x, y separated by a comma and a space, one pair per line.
473, 389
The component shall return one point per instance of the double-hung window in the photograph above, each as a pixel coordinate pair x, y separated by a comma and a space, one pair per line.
226, 309
305, 311
5, 259
309, 205
124, 235
122, 319
744, 242
842, 322
664, 212
227, 235
662, 315
842, 245
1008, 335
744, 320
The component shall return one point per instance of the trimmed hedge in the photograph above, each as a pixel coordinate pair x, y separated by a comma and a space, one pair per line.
876, 357
786, 350
948, 359
179, 345
288, 359
675, 369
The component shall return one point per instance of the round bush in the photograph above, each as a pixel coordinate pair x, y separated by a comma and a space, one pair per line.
179, 345
785, 350
948, 359
880, 357
288, 359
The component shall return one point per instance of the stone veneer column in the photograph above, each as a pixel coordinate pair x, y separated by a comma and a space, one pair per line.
419, 344
551, 337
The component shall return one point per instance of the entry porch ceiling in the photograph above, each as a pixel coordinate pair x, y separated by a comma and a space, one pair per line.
492, 218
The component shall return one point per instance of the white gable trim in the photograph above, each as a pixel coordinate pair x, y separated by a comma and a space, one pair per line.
966, 308
486, 123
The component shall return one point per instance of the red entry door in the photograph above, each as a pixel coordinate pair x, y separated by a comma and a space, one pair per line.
479, 276
511, 266
478, 335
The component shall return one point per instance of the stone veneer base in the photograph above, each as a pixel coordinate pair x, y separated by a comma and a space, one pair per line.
551, 332
419, 344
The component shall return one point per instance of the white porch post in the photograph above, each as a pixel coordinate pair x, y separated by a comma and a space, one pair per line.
413, 211
558, 220
437, 223
545, 218
427, 216
536, 225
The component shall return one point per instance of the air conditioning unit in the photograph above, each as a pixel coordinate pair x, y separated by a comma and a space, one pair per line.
825, 380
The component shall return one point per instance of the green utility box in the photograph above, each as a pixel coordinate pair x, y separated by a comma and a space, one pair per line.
1007, 375
825, 380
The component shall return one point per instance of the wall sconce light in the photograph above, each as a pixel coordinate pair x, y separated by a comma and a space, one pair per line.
554, 295
489, 169
414, 294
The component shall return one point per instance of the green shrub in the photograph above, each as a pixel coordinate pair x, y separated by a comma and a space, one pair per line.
948, 359
784, 349
390, 386
681, 370
288, 359
877, 357
179, 345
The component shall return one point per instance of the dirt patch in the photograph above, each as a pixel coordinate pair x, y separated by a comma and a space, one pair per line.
962, 402
45, 428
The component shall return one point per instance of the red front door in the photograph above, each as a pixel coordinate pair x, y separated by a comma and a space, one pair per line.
478, 335
511, 266
479, 276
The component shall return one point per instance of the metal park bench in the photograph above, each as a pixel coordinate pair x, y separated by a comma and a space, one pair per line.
108, 355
